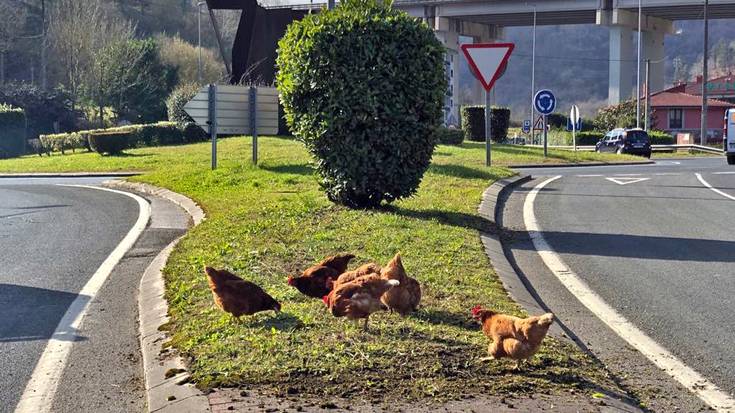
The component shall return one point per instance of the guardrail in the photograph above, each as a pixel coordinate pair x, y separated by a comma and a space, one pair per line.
655, 148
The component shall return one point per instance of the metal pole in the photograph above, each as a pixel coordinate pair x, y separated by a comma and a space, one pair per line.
703, 132
488, 127
638, 74
199, 39
213, 122
254, 121
647, 110
533, 75
546, 146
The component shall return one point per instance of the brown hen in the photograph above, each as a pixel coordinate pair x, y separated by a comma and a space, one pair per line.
406, 297
359, 298
365, 269
236, 296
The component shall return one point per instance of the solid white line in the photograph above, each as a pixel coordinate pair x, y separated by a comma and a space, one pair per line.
724, 173
38, 395
705, 183
703, 388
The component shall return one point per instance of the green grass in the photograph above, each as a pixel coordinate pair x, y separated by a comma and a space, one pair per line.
269, 221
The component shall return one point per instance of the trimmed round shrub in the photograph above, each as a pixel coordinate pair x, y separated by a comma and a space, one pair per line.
193, 133
473, 123
363, 87
449, 136
176, 101
111, 143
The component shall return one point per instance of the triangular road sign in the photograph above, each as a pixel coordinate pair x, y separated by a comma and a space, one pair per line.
539, 125
487, 60
626, 181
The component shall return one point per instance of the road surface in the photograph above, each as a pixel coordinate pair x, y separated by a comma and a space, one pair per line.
654, 242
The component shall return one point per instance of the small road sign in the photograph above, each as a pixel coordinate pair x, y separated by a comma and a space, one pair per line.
488, 60
544, 102
526, 126
574, 115
539, 125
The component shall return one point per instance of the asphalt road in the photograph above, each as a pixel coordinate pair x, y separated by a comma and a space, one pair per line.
52, 240
654, 242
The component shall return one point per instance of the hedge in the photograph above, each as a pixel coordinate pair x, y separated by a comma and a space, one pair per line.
12, 131
660, 138
473, 123
111, 143
46, 111
155, 134
449, 136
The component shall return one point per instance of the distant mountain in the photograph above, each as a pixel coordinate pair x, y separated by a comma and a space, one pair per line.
573, 62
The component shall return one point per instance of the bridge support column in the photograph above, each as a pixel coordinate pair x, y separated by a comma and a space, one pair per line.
620, 86
653, 50
446, 31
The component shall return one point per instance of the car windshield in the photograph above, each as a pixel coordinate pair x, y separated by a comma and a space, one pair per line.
637, 136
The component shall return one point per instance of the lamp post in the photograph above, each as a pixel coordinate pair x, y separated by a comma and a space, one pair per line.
199, 39
638, 73
703, 132
533, 75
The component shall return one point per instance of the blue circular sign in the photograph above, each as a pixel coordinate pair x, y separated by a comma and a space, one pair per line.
544, 102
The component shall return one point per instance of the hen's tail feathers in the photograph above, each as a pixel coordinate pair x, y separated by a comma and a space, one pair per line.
546, 319
394, 283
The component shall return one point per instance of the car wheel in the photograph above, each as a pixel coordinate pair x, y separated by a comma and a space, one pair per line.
731, 159
648, 155
620, 151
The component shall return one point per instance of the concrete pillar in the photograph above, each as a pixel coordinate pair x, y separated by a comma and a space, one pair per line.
620, 86
446, 31
653, 50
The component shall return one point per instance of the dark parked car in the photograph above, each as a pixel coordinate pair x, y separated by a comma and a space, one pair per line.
632, 141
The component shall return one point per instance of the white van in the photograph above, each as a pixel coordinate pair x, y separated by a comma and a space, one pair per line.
729, 136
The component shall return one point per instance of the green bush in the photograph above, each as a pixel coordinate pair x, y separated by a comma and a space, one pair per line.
112, 143
12, 131
193, 133
589, 138
46, 112
449, 136
660, 138
176, 101
61, 142
473, 123
557, 121
363, 87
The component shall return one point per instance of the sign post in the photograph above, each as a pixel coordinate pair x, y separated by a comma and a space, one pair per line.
574, 118
544, 102
213, 122
487, 61
526, 126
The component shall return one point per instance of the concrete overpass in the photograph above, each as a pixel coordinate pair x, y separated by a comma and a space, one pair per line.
484, 20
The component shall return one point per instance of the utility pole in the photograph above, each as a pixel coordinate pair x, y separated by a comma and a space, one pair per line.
199, 39
647, 109
44, 84
703, 132
533, 76
638, 73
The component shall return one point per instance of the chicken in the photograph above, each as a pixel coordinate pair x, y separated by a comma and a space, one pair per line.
365, 269
359, 298
317, 280
236, 296
338, 262
406, 297
513, 337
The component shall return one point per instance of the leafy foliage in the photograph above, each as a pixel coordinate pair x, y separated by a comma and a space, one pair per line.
12, 131
449, 136
621, 115
660, 138
184, 57
46, 111
112, 143
473, 123
176, 101
349, 97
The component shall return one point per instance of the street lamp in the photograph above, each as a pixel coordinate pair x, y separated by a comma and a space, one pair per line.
533, 74
638, 74
199, 39
703, 132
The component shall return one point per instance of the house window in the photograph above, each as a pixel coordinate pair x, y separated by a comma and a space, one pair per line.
676, 117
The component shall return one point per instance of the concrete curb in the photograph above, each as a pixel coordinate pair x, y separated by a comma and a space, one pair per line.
68, 174
491, 208
580, 165
173, 393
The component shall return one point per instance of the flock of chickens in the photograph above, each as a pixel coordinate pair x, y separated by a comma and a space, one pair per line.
358, 293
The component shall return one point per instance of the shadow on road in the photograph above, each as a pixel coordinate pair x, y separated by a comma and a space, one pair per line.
30, 313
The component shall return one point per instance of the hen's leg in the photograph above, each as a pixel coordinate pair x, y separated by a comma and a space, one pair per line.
364, 326
518, 365
493, 350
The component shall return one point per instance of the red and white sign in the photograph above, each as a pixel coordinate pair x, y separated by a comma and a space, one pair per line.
488, 60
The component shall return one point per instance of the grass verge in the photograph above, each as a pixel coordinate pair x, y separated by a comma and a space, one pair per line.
269, 221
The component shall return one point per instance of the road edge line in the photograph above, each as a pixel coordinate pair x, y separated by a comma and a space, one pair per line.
174, 393
708, 185
38, 395
707, 391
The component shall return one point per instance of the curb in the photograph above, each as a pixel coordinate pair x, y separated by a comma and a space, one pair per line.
579, 165
166, 379
491, 208
69, 174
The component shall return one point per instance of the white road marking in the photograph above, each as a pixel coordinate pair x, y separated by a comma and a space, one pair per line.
587, 176
661, 357
707, 184
664, 163
627, 174
626, 181
667, 174
724, 173
39, 393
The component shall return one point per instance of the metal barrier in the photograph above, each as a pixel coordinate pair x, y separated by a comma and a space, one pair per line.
655, 148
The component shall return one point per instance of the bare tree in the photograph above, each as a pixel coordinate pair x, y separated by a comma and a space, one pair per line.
13, 19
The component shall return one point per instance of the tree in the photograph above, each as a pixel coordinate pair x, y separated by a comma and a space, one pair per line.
184, 56
130, 77
621, 115
11, 24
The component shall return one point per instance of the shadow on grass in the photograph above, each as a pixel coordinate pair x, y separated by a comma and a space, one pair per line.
443, 317
281, 322
455, 219
460, 171
127, 155
298, 169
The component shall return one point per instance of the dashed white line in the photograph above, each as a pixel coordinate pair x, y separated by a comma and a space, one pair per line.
661, 357
39, 393
707, 184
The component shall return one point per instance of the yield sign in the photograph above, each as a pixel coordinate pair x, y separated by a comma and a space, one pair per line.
626, 181
487, 60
